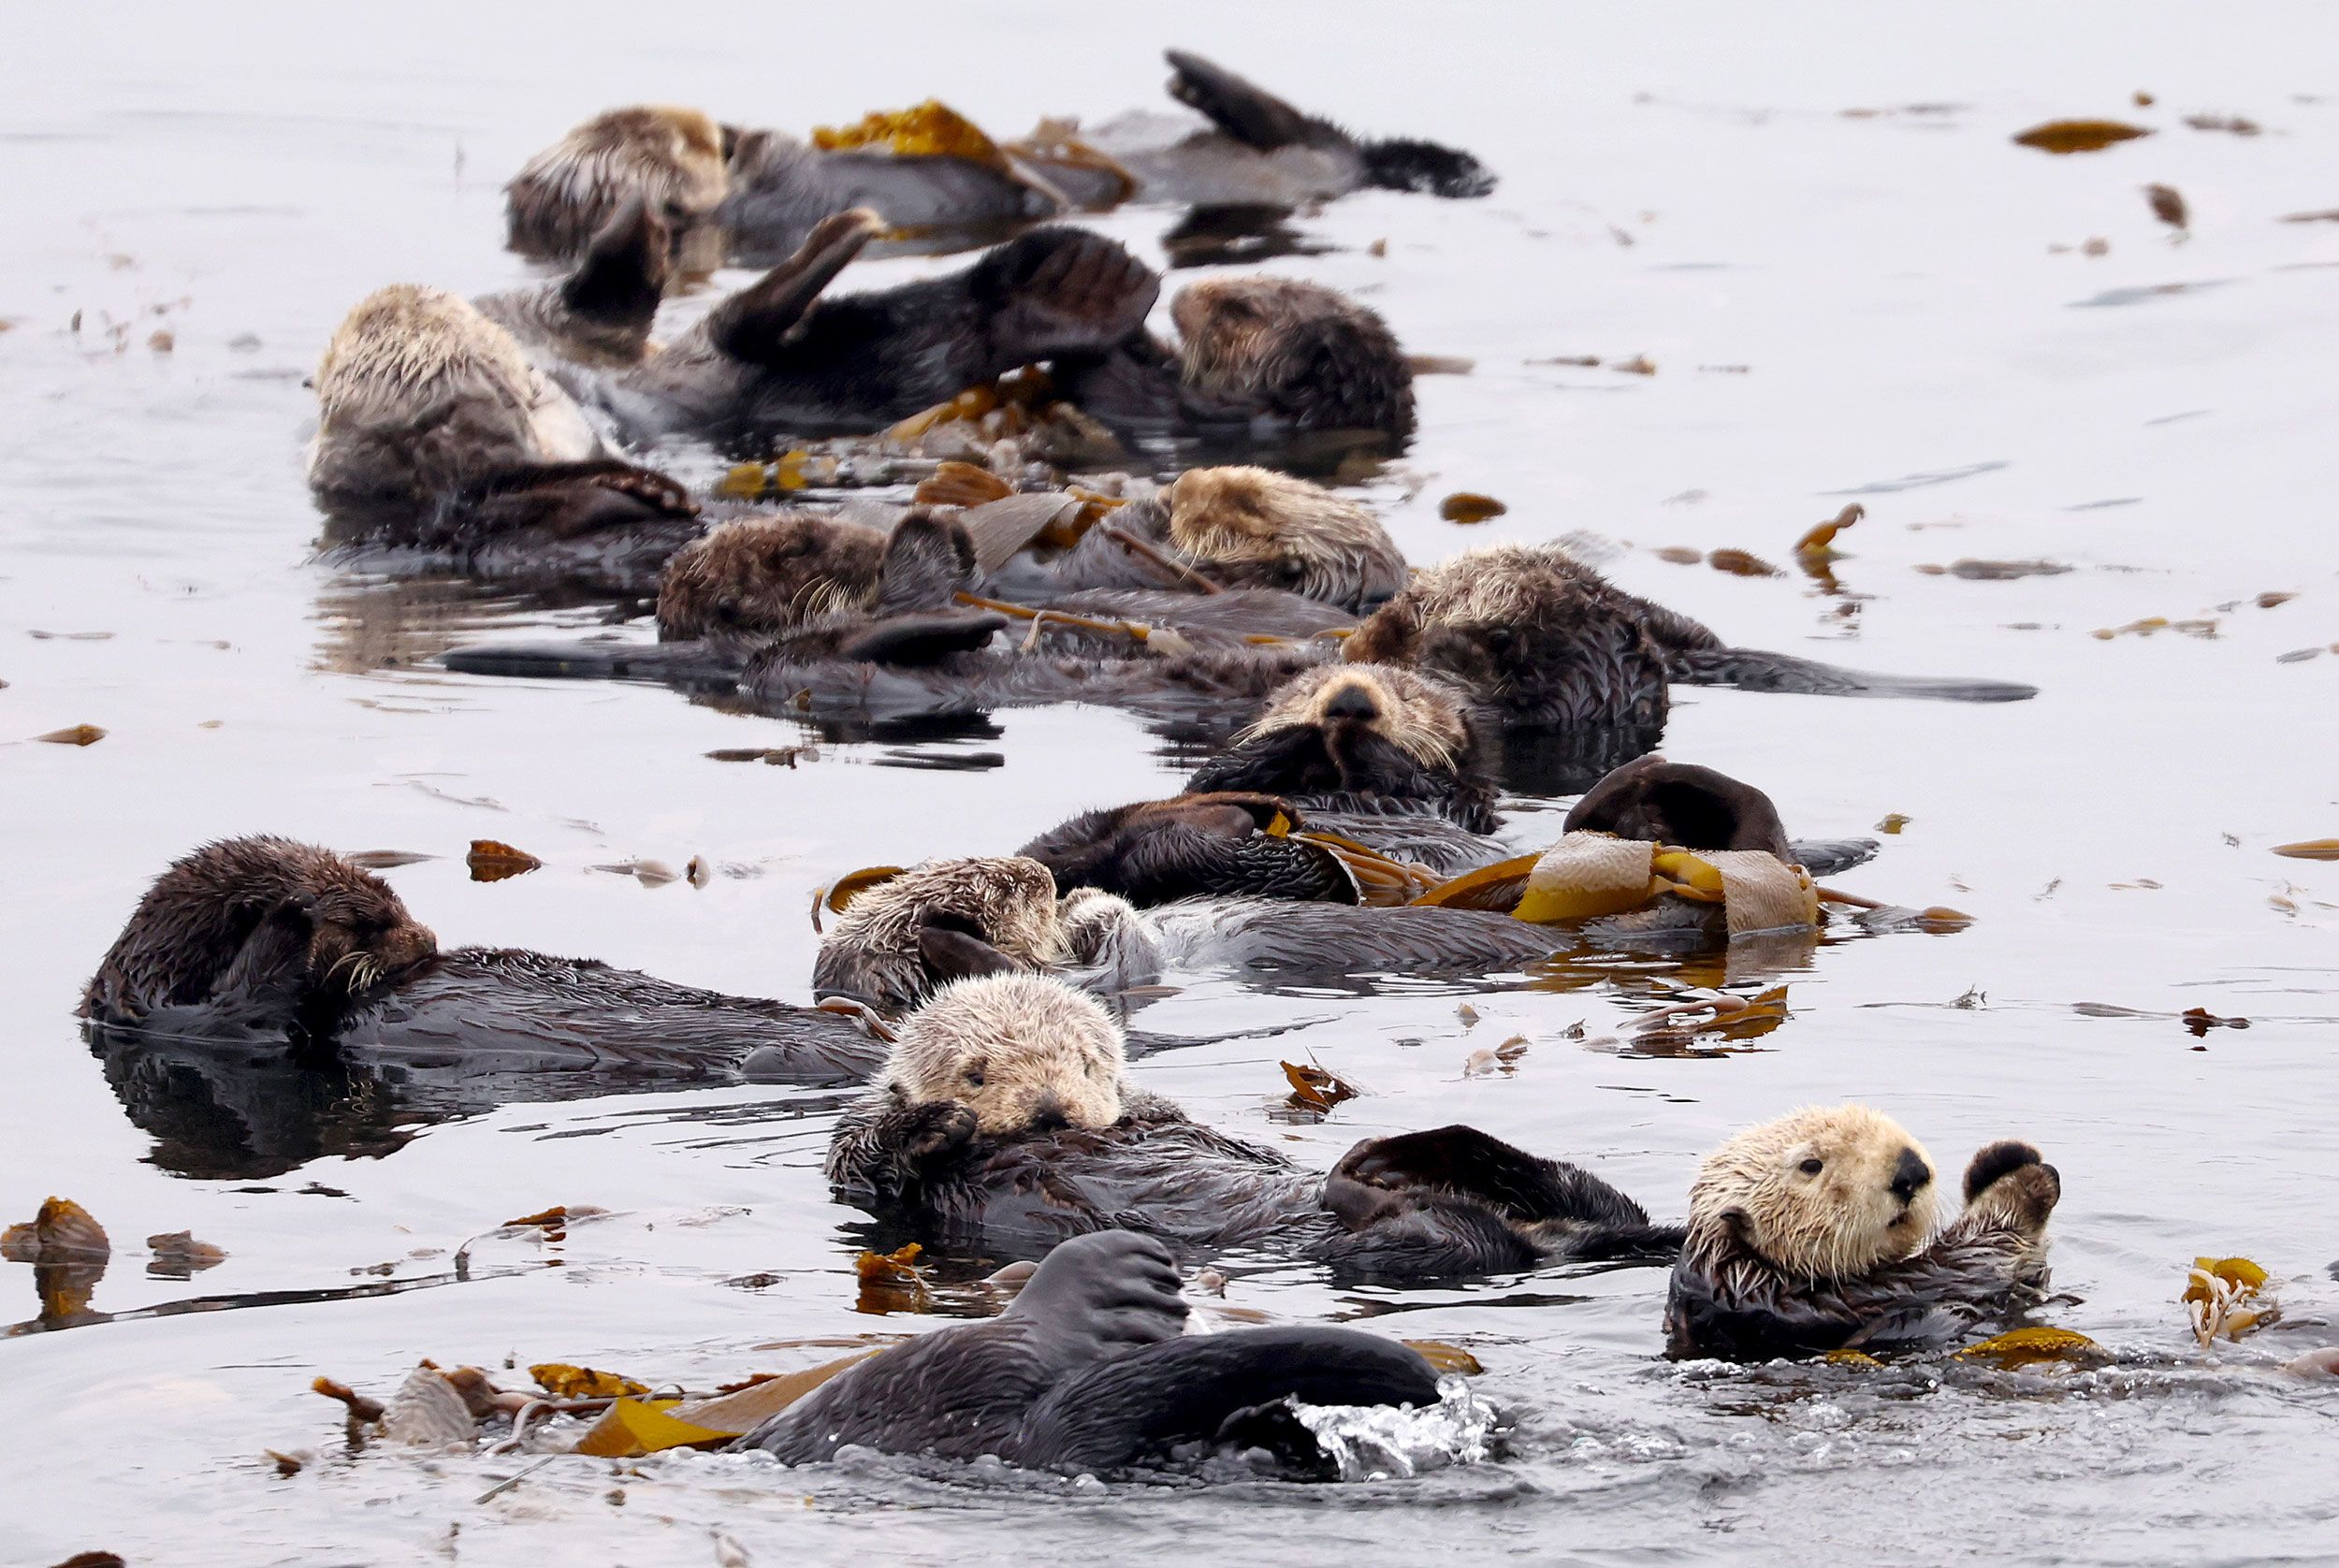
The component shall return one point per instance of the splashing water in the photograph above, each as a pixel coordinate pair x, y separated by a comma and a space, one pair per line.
1377, 1443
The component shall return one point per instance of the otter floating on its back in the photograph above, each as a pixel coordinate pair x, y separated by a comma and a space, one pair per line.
1816, 1232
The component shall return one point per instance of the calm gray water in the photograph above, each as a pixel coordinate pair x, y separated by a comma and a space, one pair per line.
1889, 306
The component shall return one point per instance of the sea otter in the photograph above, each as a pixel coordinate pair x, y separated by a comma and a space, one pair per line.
1261, 152
263, 938
1817, 1232
668, 161
1004, 1118
1384, 754
1089, 1369
1215, 844
1541, 641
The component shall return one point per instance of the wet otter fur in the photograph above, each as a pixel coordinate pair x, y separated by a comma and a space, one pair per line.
1366, 740
1195, 846
1451, 1202
1683, 804
671, 161
1816, 1232
1088, 1369
759, 576
249, 940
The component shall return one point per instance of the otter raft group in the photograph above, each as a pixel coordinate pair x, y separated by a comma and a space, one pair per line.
1022, 479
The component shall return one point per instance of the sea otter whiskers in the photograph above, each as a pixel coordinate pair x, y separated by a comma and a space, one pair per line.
1450, 1202
1817, 1231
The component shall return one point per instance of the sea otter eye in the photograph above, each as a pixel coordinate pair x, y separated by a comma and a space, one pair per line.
974, 1075
1812, 1167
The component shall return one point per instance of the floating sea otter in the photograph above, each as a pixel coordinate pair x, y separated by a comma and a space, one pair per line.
932, 174
1004, 1118
1817, 1232
442, 430
250, 940
1213, 844
1089, 1370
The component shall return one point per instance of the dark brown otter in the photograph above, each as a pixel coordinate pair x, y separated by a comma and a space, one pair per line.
1693, 807
1196, 845
259, 938
1074, 1150
1089, 1370
760, 575
777, 357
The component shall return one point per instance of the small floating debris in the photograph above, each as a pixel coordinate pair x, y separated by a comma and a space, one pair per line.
2063, 136
1469, 506
2310, 849
74, 734
2167, 205
1315, 1090
1974, 570
177, 1255
492, 860
1821, 537
2231, 125
2029, 1347
2227, 1297
1639, 365
892, 1281
1502, 1059
1742, 563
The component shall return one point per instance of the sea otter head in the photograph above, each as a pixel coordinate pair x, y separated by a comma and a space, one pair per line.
258, 919
769, 574
418, 388
941, 921
672, 160
1254, 528
1417, 714
1825, 1193
1526, 630
1682, 805
1296, 351
1023, 1053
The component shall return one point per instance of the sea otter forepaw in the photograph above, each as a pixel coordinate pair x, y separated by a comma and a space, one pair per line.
651, 487
938, 1128
2014, 1182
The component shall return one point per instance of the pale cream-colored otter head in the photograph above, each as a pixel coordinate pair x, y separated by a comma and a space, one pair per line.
769, 574
1254, 528
1824, 1193
1023, 1053
423, 370
672, 158
1420, 717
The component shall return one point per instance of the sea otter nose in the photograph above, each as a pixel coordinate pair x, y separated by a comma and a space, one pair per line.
1047, 1115
1911, 1176
1352, 702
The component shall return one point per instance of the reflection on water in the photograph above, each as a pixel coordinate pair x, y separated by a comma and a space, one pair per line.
1823, 301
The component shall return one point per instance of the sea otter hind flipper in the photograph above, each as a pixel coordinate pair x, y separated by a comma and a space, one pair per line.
1464, 1162
1830, 857
1055, 292
623, 276
928, 560
1238, 107
565, 501
757, 324
1206, 1387
1426, 168
912, 640
1756, 670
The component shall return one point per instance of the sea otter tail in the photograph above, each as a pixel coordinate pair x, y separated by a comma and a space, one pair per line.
1217, 1387
591, 658
1756, 670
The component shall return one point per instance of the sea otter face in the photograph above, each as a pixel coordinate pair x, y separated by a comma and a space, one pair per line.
1528, 629
671, 159
1420, 717
1254, 528
1023, 1053
769, 574
1825, 1193
361, 933
1295, 351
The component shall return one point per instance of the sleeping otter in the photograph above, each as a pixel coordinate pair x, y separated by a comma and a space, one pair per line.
1089, 1370
1203, 844
438, 433
262, 939
1259, 150
1543, 642
1383, 754
1004, 1118
668, 161
1816, 1232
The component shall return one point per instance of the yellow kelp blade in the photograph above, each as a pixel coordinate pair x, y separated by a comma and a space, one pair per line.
1492, 887
631, 1427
